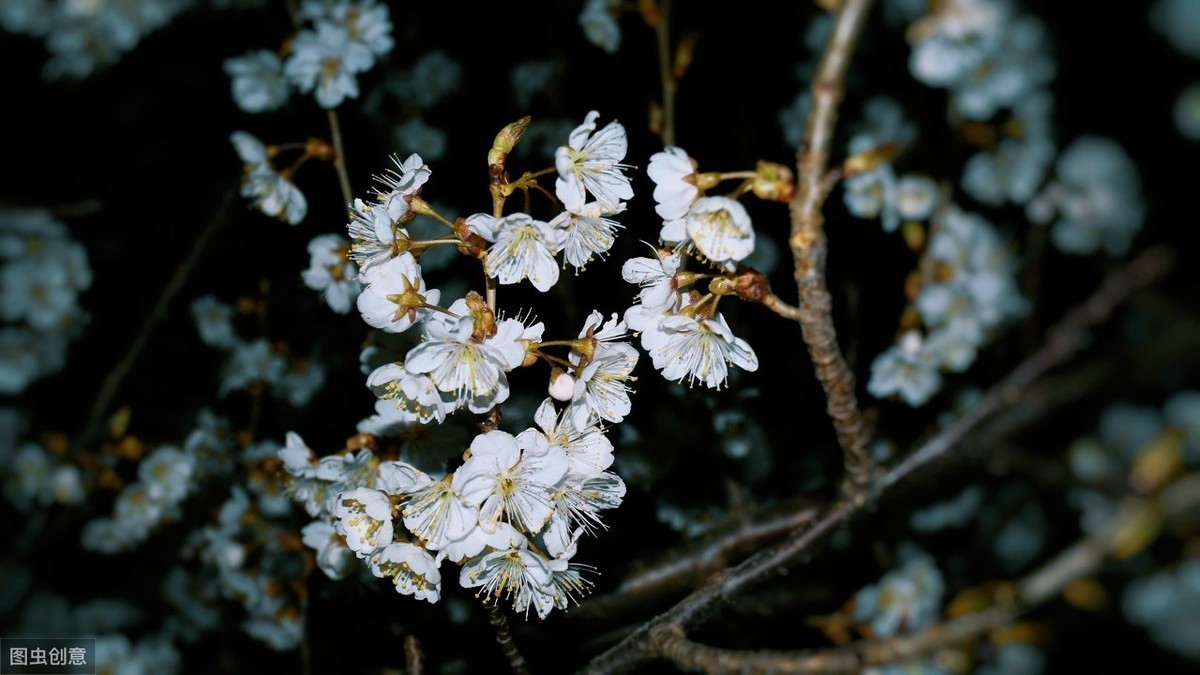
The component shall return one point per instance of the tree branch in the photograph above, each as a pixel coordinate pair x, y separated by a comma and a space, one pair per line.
1067, 339
809, 247
1044, 584
694, 560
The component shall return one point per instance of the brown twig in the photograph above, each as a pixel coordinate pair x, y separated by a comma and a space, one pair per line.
776, 304
1068, 338
505, 639
809, 247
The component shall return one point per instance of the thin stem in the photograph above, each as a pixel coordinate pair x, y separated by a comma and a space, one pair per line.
339, 162
730, 175
809, 247
504, 638
775, 304
662, 32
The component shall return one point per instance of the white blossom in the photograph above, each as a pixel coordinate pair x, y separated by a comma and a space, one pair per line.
523, 248
586, 232
511, 480
721, 230
364, 518
395, 296
683, 347
674, 193
331, 272
411, 569
257, 81
591, 162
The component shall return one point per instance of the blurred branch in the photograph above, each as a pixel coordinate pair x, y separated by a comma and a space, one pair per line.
116, 377
1065, 340
809, 247
662, 34
1082, 558
414, 661
694, 560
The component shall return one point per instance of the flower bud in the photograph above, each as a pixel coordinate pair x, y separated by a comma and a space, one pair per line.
562, 385
773, 182
506, 140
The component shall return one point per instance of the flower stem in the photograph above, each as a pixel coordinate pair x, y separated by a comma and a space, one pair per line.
339, 163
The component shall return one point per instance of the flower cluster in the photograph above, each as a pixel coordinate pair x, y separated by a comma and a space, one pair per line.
331, 272
995, 61
1136, 447
905, 600
871, 188
83, 37
681, 329
110, 620
970, 289
511, 514
344, 39
514, 509
408, 98
254, 552
254, 364
270, 190
1095, 200
39, 478
1167, 604
42, 272
165, 478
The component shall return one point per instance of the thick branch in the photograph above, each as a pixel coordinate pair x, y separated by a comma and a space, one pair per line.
1065, 340
809, 245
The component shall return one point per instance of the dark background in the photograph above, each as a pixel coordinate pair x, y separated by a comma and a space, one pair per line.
143, 148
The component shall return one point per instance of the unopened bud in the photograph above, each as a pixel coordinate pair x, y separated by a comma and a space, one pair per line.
485, 320
773, 182
751, 286
506, 140
472, 244
562, 385
707, 180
